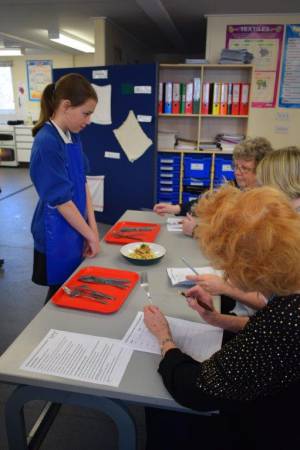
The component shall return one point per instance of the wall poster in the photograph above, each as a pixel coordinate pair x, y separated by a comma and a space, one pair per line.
289, 96
265, 43
39, 74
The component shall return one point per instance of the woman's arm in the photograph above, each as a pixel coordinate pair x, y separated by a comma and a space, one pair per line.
215, 285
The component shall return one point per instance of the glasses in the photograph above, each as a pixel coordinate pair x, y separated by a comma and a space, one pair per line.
242, 169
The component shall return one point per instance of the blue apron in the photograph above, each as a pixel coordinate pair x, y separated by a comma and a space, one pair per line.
64, 245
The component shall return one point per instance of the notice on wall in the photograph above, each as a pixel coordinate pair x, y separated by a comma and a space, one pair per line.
265, 43
289, 96
39, 74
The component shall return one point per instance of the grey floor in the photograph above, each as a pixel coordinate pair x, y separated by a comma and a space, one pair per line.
20, 300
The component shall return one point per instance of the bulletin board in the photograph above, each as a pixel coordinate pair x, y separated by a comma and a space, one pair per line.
39, 74
289, 96
265, 43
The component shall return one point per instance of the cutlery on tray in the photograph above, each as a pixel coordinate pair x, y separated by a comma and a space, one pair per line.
126, 229
145, 285
117, 234
85, 292
115, 282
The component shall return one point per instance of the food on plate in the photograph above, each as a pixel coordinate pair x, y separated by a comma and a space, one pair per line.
143, 251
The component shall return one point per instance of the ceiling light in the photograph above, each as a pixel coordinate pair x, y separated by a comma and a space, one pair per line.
63, 39
10, 52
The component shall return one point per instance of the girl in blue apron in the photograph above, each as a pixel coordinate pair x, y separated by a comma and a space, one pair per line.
63, 226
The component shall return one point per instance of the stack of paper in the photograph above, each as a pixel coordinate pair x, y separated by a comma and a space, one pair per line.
178, 275
166, 140
174, 223
241, 56
228, 141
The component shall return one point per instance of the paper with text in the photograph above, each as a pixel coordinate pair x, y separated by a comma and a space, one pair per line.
79, 357
174, 223
178, 275
199, 340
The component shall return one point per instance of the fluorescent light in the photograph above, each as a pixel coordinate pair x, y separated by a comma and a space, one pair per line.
72, 42
10, 52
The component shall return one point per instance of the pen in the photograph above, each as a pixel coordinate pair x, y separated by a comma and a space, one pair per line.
189, 266
200, 303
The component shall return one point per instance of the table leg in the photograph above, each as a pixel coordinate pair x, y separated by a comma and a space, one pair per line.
15, 422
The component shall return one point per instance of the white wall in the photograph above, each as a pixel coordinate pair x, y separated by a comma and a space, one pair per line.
265, 122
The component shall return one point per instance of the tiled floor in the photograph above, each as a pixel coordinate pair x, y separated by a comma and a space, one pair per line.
20, 300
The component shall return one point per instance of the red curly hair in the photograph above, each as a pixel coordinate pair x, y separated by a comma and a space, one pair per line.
253, 236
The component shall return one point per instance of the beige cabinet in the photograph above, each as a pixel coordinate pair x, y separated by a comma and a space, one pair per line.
24, 142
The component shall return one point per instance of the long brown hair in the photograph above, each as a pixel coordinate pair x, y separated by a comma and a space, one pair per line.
73, 87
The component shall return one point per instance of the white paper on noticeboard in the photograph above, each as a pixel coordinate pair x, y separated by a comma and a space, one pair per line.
96, 188
102, 113
132, 138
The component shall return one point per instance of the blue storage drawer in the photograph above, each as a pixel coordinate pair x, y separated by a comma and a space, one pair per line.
188, 197
223, 167
196, 181
168, 190
164, 182
169, 159
197, 167
169, 168
168, 198
169, 176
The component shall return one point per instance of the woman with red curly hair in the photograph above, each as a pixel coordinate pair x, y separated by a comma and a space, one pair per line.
254, 237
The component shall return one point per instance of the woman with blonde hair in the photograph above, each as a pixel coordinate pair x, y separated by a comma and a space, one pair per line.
254, 237
281, 169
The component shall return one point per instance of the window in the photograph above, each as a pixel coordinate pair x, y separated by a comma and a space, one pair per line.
7, 102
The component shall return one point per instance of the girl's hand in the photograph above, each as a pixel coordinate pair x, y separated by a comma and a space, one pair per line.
213, 284
188, 225
156, 322
91, 247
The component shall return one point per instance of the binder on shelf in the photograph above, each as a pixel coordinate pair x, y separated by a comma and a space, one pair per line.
224, 99
168, 98
176, 98
236, 92
189, 98
244, 99
205, 98
229, 99
182, 98
196, 95
216, 99
160, 97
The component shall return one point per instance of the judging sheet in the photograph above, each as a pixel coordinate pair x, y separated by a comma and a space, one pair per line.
199, 340
79, 357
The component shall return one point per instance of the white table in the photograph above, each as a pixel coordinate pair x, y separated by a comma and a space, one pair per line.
141, 382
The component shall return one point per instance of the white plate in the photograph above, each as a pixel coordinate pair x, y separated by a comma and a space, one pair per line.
158, 250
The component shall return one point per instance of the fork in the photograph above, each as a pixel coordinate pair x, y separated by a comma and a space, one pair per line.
145, 285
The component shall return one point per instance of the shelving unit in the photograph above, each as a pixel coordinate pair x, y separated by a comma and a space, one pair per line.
201, 128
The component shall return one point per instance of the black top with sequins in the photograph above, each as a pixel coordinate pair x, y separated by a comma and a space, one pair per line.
260, 361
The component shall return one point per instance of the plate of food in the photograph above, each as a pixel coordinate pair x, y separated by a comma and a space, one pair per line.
143, 253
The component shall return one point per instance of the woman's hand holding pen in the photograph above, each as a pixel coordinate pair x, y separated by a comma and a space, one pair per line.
195, 296
188, 225
213, 284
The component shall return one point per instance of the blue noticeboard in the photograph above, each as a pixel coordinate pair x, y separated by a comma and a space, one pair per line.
289, 96
127, 185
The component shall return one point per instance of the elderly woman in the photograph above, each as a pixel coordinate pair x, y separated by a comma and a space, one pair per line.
281, 169
254, 237
246, 156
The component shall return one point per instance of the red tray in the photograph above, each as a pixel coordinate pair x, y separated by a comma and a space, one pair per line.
60, 298
137, 236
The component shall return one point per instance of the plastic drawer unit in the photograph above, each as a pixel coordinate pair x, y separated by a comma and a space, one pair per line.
223, 169
197, 167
